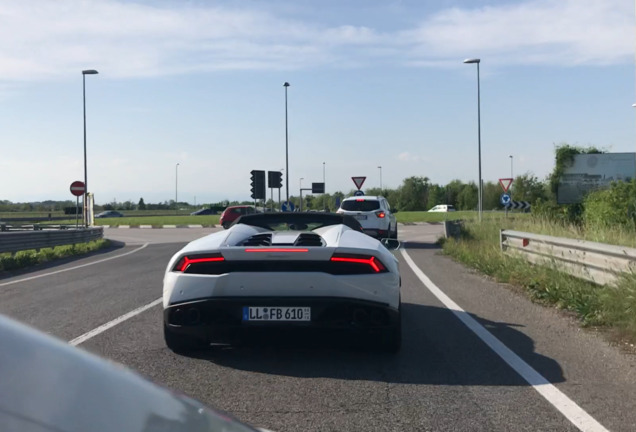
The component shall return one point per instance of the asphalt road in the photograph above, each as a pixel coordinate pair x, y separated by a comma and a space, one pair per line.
468, 344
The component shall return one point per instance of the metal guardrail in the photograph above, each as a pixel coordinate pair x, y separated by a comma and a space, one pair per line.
597, 262
15, 241
35, 227
38, 218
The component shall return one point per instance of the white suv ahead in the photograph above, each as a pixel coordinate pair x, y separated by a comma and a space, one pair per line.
373, 213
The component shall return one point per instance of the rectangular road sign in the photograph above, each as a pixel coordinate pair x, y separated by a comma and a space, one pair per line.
317, 188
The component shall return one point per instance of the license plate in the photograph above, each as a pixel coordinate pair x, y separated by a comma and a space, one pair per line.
361, 217
276, 313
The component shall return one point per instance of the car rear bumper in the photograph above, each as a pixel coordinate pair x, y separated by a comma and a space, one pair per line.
377, 233
220, 320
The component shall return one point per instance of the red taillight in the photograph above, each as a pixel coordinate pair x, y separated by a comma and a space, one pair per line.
371, 261
266, 249
380, 214
186, 261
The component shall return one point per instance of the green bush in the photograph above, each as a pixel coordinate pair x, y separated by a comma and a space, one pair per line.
565, 214
29, 258
611, 207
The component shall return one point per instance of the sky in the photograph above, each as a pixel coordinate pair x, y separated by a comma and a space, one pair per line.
373, 83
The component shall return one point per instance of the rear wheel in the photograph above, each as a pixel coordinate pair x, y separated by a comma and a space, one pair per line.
180, 343
394, 234
225, 225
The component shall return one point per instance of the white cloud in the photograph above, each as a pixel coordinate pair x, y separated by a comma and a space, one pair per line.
41, 39
556, 32
408, 157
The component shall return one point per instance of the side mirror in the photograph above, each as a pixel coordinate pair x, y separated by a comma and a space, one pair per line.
390, 244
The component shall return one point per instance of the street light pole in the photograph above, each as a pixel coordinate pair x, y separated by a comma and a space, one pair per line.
477, 61
380, 178
511, 176
300, 189
279, 205
85, 198
176, 188
323, 175
286, 146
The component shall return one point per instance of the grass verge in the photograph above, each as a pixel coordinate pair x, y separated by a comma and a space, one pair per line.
423, 216
28, 258
603, 307
154, 221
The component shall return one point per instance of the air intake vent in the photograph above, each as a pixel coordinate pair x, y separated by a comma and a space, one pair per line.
259, 240
309, 239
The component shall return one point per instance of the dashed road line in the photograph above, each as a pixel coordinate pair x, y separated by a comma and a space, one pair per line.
110, 324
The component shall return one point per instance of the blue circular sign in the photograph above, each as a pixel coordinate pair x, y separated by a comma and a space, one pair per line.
287, 206
504, 199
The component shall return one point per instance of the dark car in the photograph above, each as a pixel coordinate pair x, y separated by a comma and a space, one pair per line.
203, 211
108, 214
232, 213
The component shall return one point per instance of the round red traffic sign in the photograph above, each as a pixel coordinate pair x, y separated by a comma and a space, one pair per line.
78, 188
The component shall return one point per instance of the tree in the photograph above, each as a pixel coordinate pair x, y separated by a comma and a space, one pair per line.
453, 189
529, 188
436, 195
142, 204
414, 194
468, 197
492, 194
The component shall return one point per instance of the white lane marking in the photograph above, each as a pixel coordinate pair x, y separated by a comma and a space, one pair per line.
74, 268
553, 395
102, 328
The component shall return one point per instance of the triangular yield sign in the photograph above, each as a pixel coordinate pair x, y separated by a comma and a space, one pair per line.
358, 181
505, 183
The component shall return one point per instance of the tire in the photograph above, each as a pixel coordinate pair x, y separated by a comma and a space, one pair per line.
394, 234
225, 225
180, 344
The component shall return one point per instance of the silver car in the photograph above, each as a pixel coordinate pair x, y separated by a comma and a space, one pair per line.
374, 214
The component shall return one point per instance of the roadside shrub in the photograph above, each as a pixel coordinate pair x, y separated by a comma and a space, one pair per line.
621, 305
29, 258
611, 207
564, 214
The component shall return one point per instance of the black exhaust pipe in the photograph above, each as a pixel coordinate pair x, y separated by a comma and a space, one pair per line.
194, 316
360, 317
177, 317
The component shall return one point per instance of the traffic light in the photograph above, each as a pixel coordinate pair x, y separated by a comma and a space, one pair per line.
274, 179
258, 184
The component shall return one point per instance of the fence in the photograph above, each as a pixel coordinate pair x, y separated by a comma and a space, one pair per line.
15, 241
596, 262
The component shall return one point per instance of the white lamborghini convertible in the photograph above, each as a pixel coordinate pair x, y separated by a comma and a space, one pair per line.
275, 271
